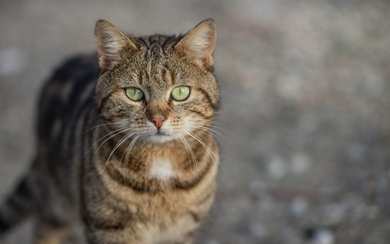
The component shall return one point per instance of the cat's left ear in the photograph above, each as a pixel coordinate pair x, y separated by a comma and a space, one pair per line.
110, 43
200, 43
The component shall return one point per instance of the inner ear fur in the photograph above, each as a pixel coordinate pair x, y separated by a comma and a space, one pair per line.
199, 43
110, 43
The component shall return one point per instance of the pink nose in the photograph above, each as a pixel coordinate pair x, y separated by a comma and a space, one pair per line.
158, 121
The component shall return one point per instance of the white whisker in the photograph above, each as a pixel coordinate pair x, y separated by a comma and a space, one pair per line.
189, 150
109, 135
100, 125
214, 132
97, 116
216, 125
210, 152
120, 143
127, 155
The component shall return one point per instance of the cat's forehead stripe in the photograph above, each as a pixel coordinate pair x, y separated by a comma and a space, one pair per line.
168, 75
159, 40
140, 77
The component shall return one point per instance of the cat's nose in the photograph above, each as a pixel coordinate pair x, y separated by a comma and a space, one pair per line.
158, 121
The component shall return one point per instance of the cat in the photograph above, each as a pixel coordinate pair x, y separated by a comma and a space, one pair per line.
124, 142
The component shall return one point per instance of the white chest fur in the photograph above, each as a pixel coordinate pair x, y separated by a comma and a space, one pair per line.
161, 169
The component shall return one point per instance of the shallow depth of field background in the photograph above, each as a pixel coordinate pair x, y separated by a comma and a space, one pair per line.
305, 107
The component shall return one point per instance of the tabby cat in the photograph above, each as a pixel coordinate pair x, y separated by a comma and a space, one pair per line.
124, 142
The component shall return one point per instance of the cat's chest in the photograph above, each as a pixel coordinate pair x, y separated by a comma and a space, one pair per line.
162, 169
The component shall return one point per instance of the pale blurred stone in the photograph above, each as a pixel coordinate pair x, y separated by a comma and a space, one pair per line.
323, 236
277, 167
300, 163
258, 231
298, 207
12, 61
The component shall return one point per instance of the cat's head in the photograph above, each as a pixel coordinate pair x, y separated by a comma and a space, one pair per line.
157, 88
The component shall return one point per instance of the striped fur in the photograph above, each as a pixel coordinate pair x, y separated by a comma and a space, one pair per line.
102, 163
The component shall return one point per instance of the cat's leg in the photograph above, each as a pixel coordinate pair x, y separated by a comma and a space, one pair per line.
99, 236
56, 211
46, 233
19, 205
53, 224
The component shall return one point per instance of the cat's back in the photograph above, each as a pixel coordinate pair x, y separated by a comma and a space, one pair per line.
68, 92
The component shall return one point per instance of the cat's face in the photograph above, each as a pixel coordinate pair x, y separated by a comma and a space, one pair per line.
157, 88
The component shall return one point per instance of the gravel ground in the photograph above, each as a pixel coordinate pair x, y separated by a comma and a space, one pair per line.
305, 118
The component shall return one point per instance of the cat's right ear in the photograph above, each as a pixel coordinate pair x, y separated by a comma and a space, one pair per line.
110, 43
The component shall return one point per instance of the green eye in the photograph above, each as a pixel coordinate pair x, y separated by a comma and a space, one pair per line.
135, 94
180, 93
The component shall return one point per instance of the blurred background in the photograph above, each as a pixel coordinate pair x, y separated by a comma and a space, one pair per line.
305, 114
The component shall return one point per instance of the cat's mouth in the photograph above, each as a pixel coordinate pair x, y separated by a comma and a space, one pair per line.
159, 136
160, 133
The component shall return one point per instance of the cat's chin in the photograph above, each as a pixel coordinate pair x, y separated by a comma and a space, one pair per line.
159, 138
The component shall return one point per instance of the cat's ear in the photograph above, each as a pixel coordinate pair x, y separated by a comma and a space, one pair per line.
110, 43
200, 43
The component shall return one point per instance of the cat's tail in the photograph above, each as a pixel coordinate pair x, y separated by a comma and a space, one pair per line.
19, 205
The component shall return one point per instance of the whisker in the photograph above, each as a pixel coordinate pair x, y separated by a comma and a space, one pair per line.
189, 150
222, 129
110, 135
120, 142
129, 148
100, 125
127, 155
212, 131
211, 153
97, 116
217, 125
